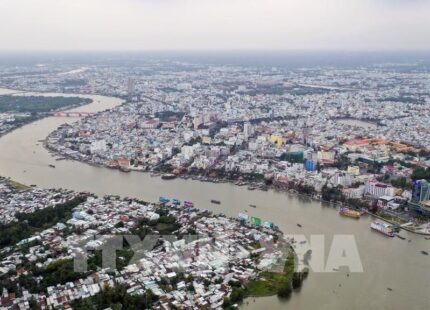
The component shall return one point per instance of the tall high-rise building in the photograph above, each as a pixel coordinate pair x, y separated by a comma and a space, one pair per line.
130, 87
305, 133
421, 191
248, 130
421, 197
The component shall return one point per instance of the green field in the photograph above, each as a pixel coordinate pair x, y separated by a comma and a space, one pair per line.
270, 282
37, 104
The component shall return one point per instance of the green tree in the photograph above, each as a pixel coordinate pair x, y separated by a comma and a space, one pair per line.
285, 290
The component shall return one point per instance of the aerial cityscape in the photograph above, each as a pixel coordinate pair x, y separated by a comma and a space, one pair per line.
144, 166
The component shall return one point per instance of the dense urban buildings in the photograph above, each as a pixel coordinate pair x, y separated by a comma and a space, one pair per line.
355, 138
192, 250
202, 154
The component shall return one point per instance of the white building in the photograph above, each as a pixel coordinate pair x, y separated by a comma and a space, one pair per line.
98, 146
187, 151
377, 189
248, 130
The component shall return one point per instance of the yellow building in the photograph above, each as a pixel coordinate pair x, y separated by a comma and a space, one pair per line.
354, 170
278, 140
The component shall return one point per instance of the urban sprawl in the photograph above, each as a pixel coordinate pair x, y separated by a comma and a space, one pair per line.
358, 138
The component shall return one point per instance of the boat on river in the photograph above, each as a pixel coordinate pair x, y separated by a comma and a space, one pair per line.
383, 228
188, 204
217, 202
349, 213
168, 176
163, 199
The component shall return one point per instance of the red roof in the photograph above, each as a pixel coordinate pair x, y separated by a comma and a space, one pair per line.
357, 142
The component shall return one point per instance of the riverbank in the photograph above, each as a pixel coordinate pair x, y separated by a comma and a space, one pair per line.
275, 283
400, 225
29, 112
15, 185
222, 238
243, 180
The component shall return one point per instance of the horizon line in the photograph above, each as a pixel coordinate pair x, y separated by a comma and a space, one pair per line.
26, 51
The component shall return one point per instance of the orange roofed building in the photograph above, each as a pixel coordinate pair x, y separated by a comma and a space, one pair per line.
356, 143
124, 162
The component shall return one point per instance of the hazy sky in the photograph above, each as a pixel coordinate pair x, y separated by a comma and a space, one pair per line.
214, 24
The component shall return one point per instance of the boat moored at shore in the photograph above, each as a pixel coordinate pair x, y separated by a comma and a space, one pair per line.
168, 176
349, 213
163, 199
383, 228
176, 202
188, 204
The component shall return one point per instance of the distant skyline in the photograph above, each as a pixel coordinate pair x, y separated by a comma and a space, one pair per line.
115, 25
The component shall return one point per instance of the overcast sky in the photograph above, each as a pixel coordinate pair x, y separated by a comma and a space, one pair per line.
214, 24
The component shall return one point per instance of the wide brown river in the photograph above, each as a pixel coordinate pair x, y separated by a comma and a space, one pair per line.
387, 262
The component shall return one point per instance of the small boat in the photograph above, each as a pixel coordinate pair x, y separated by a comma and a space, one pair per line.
253, 206
217, 202
427, 238
299, 225
424, 253
251, 188
383, 228
188, 204
168, 176
164, 199
389, 289
349, 213
52, 166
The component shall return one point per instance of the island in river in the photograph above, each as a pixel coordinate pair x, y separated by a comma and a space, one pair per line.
221, 258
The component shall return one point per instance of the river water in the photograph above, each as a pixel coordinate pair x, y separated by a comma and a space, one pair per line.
387, 262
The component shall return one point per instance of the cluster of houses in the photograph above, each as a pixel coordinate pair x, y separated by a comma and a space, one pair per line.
193, 267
